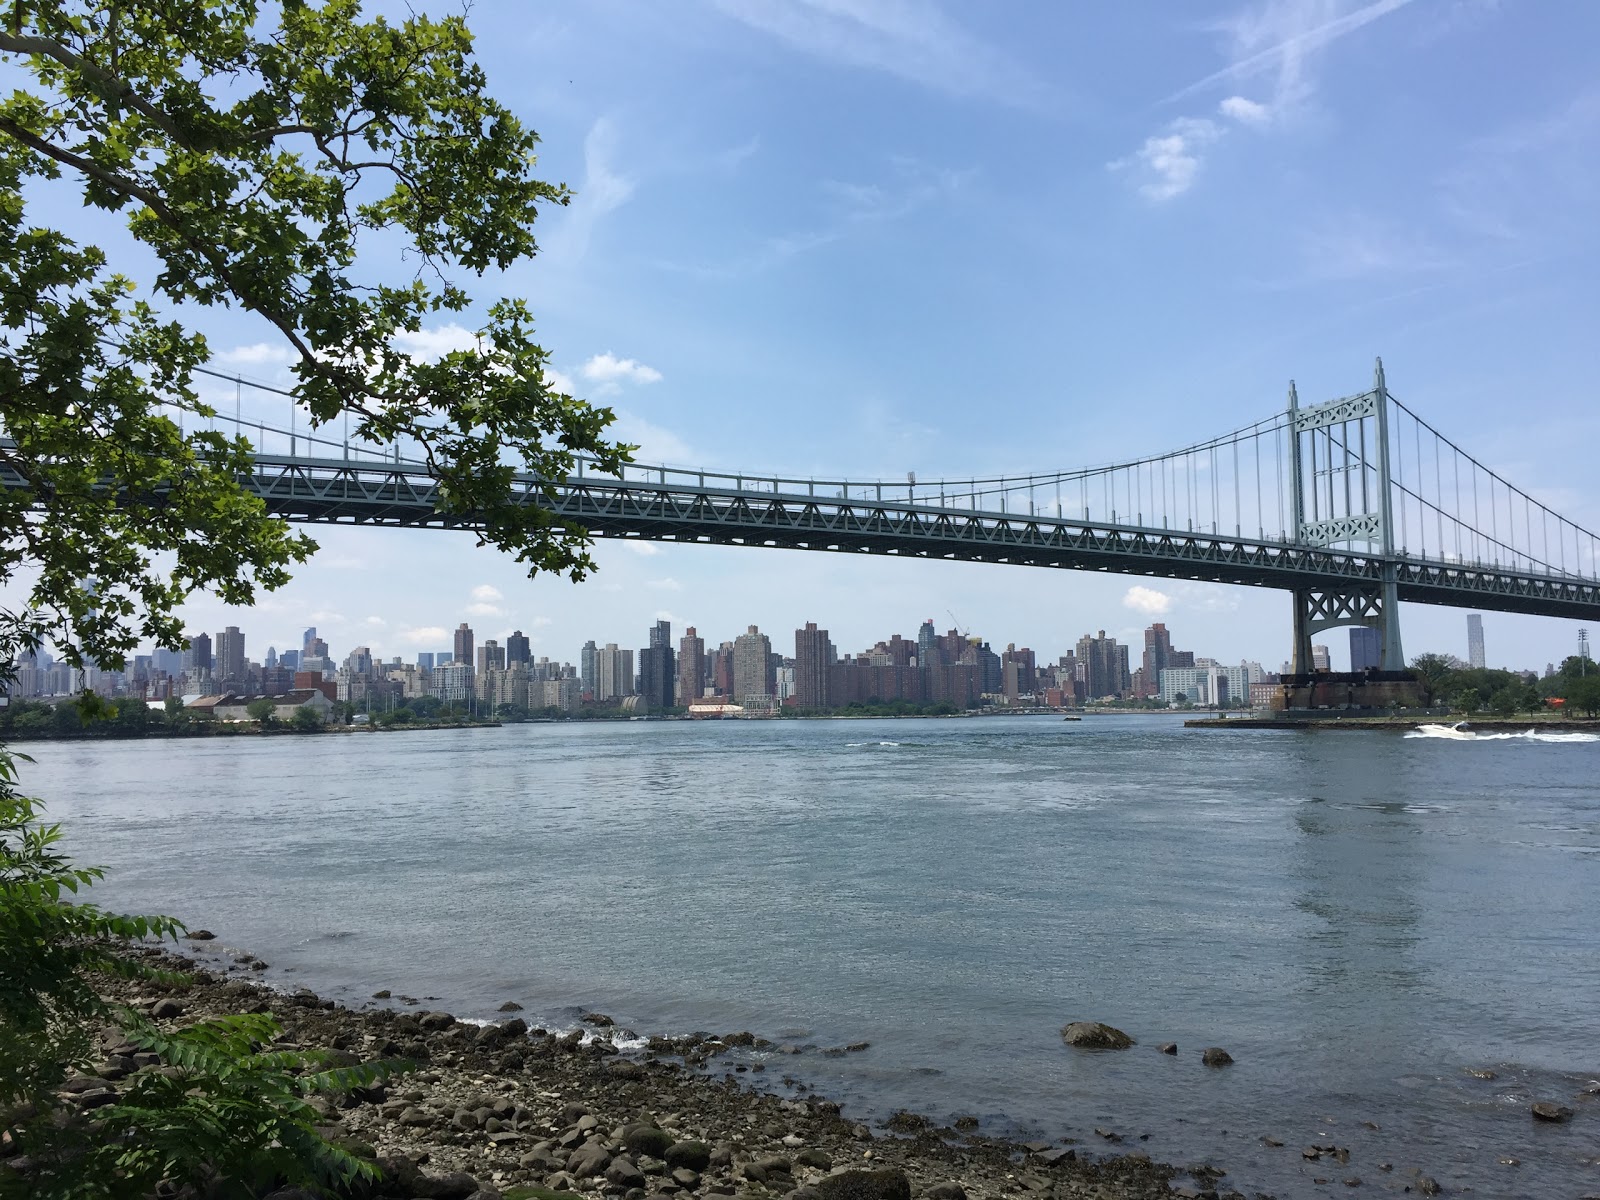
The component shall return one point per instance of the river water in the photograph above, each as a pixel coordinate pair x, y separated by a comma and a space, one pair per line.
1359, 918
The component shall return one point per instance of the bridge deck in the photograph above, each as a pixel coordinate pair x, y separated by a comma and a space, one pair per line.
402, 494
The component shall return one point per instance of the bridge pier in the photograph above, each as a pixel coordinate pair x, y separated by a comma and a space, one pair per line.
1350, 501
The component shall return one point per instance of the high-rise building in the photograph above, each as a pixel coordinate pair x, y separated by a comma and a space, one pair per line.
463, 652
517, 650
1158, 657
691, 667
1027, 668
1475, 655
657, 679
359, 661
613, 669
1365, 648
752, 665
198, 655
1104, 662
491, 657
425, 661
813, 663
586, 668
228, 667
1321, 660
306, 639
271, 660
452, 682
927, 645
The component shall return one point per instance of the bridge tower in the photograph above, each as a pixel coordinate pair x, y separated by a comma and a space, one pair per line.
1341, 495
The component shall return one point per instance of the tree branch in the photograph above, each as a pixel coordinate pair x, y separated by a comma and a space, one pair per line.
108, 85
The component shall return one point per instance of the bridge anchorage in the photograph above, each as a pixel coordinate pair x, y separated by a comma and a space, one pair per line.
1351, 506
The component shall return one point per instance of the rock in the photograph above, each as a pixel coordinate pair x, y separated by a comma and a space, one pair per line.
1215, 1056
201, 935
415, 1116
163, 1010
452, 1185
907, 1122
511, 1006
685, 1178
1548, 1110
646, 1139
599, 1020
1480, 1074
886, 1183
945, 1191
435, 1020
588, 1161
1168, 1047
966, 1123
1428, 1186
696, 1156
818, 1160
623, 1068
1094, 1035
1059, 1154
624, 1174
381, 994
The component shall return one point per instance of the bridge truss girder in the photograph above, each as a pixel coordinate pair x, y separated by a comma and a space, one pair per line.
355, 493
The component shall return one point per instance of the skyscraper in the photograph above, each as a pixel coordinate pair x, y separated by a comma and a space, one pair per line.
752, 664
1105, 666
1157, 657
425, 661
656, 675
927, 645
813, 661
691, 667
1321, 660
306, 639
613, 668
198, 656
517, 650
1364, 648
586, 668
491, 657
1475, 656
229, 664
463, 652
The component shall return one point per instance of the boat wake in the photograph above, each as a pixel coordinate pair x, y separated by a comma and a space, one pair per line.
1454, 733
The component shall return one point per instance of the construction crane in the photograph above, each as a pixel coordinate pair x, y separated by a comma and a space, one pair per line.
965, 634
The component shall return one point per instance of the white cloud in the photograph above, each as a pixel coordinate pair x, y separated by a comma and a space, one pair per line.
429, 345
485, 610
1281, 36
375, 622
656, 445
1246, 112
1147, 600
425, 635
604, 190
1168, 162
667, 584
911, 39
258, 355
560, 381
607, 368
487, 592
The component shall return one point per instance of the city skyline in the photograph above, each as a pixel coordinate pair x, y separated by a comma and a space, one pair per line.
1083, 236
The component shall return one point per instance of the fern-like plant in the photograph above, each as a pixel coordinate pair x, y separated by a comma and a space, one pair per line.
227, 1111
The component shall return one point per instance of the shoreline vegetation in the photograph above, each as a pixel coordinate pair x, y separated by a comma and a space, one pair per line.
499, 1110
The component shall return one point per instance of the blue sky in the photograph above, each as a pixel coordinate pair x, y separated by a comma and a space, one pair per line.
873, 236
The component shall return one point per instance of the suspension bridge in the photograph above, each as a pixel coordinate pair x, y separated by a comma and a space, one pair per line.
1351, 505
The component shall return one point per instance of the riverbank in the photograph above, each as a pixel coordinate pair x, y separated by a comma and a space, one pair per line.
1405, 724
499, 1109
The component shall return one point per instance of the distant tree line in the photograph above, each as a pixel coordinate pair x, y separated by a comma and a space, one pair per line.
1446, 680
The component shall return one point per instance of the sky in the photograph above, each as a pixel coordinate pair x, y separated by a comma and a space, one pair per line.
866, 237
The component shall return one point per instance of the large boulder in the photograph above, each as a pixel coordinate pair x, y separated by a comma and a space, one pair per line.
1095, 1035
886, 1183
1216, 1056
1546, 1110
647, 1140
696, 1156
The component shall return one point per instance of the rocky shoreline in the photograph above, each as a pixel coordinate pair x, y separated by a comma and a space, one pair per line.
502, 1110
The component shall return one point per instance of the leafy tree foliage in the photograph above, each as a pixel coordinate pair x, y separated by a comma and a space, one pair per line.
307, 719
261, 710
253, 152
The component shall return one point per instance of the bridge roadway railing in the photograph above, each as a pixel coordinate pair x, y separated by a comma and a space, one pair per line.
667, 504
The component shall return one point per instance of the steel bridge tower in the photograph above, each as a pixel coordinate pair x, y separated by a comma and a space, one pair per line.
1341, 495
